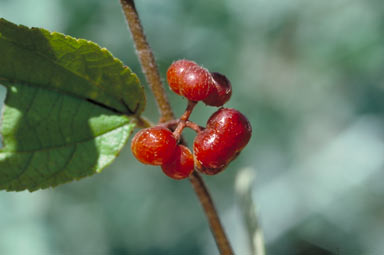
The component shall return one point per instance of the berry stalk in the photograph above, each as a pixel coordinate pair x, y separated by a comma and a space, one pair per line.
183, 119
151, 72
172, 124
192, 125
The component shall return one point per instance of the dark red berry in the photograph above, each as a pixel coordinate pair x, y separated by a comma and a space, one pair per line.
190, 80
196, 83
209, 157
154, 146
221, 92
226, 134
231, 123
175, 71
181, 165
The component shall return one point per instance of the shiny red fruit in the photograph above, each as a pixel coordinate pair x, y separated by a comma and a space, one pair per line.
154, 146
190, 80
208, 158
221, 91
227, 133
231, 123
196, 83
175, 71
181, 165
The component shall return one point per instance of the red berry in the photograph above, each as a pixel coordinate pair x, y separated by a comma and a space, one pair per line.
175, 71
209, 158
231, 123
153, 146
181, 165
190, 80
221, 92
196, 83
227, 133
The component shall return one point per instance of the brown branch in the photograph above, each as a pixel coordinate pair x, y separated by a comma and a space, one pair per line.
147, 60
210, 211
149, 67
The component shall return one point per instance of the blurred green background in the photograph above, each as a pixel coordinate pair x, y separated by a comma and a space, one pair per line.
310, 77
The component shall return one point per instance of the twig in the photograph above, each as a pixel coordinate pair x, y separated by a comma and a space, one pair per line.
151, 73
147, 60
210, 211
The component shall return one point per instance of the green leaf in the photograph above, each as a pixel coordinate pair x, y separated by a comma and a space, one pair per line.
69, 110
73, 66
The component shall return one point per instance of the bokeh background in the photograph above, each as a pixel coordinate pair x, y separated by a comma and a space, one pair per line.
310, 77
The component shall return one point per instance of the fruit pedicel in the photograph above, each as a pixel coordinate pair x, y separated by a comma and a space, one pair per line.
226, 133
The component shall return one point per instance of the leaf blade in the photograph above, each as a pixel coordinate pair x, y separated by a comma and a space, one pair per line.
92, 140
69, 110
74, 66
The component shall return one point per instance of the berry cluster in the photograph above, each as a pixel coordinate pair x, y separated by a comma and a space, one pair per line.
188, 79
227, 131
